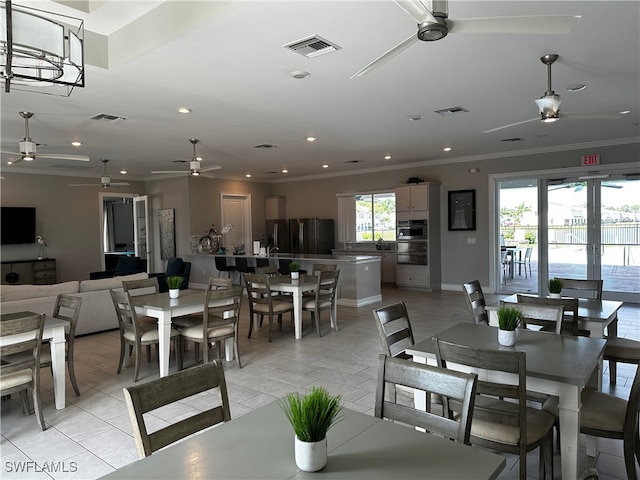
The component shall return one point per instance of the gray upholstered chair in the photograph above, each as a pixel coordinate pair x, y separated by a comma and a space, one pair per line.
168, 390
456, 388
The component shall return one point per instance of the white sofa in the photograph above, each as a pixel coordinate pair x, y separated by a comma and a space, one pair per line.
97, 313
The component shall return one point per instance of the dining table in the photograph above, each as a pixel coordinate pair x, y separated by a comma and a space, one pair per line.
260, 445
297, 287
596, 316
561, 365
160, 306
54, 329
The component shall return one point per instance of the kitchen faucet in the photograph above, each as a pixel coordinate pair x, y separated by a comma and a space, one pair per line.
271, 250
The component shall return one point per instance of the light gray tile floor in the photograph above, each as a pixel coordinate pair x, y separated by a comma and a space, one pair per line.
92, 435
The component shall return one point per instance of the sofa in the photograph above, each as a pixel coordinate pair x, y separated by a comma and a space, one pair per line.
97, 313
126, 266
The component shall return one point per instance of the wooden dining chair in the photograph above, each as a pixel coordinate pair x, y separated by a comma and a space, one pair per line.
475, 297
580, 288
324, 298
501, 418
570, 306
456, 388
168, 390
23, 374
609, 416
262, 301
546, 316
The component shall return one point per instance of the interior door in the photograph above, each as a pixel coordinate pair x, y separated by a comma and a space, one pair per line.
141, 230
236, 211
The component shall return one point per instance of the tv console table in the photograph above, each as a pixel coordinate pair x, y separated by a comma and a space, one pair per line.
28, 272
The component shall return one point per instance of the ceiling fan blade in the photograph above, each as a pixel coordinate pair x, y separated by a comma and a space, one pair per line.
592, 115
417, 10
537, 24
385, 57
511, 125
113, 184
170, 171
10, 153
207, 175
53, 156
211, 167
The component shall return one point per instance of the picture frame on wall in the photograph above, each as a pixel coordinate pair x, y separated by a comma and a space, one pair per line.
167, 233
462, 210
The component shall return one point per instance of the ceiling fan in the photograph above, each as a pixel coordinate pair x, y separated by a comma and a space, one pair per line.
434, 24
105, 180
28, 147
549, 104
195, 163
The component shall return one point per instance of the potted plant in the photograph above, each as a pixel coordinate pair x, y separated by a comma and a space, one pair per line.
555, 287
311, 416
174, 284
294, 267
508, 320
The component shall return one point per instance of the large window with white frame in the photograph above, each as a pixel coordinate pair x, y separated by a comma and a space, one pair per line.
375, 216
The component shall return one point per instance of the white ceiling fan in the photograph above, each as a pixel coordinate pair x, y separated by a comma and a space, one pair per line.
28, 148
434, 24
195, 164
549, 104
105, 180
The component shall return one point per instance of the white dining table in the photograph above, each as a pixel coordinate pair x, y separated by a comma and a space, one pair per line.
54, 332
297, 287
259, 445
160, 306
559, 365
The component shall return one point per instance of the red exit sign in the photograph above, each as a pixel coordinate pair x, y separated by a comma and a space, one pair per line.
591, 159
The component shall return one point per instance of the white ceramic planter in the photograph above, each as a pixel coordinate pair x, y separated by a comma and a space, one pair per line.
295, 275
507, 338
555, 295
311, 456
174, 292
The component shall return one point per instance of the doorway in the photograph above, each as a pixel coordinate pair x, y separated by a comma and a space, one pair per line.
236, 211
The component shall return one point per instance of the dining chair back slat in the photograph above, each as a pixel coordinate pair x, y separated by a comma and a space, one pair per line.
157, 393
394, 329
475, 297
450, 384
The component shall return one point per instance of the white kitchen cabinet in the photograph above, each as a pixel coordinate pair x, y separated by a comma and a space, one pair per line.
412, 198
413, 277
276, 208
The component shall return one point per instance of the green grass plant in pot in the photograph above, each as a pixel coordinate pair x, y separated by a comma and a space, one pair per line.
311, 416
555, 288
508, 320
174, 283
293, 268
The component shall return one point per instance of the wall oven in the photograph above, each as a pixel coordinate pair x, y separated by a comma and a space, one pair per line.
413, 252
411, 230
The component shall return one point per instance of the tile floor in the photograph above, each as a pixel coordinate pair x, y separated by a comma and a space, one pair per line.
92, 435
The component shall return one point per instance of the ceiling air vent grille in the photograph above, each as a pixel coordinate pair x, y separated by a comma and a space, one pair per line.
265, 146
512, 139
312, 46
105, 117
445, 112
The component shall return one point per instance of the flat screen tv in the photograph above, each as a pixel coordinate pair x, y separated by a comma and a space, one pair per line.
18, 225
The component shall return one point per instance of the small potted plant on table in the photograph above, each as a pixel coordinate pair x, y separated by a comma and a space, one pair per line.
293, 268
311, 416
508, 320
555, 288
174, 283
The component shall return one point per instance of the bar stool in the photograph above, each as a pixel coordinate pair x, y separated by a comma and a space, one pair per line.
221, 266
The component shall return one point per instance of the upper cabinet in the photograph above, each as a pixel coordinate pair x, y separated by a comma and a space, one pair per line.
276, 208
412, 198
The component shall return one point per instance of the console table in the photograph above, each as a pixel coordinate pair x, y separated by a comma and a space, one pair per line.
28, 272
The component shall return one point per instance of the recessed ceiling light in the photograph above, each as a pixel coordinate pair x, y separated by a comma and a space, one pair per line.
76, 144
625, 112
123, 171
447, 149
387, 157
284, 170
248, 175
300, 74
576, 87
325, 165
311, 139
184, 110
415, 118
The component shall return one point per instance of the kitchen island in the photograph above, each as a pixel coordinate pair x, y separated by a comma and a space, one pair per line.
359, 282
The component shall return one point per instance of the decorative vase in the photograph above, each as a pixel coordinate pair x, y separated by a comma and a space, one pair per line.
555, 295
507, 338
311, 456
295, 275
174, 292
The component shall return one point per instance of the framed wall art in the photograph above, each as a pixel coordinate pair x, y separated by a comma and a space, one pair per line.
167, 233
462, 210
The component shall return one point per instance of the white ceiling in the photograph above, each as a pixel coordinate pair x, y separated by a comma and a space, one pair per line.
226, 61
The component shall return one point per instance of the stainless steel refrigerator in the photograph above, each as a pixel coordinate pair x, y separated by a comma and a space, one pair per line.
278, 235
311, 235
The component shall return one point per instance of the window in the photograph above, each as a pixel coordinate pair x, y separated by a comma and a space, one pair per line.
375, 216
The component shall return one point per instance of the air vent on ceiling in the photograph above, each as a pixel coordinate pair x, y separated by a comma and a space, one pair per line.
265, 146
271, 172
105, 117
512, 139
312, 46
353, 161
445, 112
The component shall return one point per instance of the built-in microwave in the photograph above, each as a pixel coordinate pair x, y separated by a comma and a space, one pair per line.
411, 230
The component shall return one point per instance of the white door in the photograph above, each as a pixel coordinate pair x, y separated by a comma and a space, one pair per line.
141, 229
236, 211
